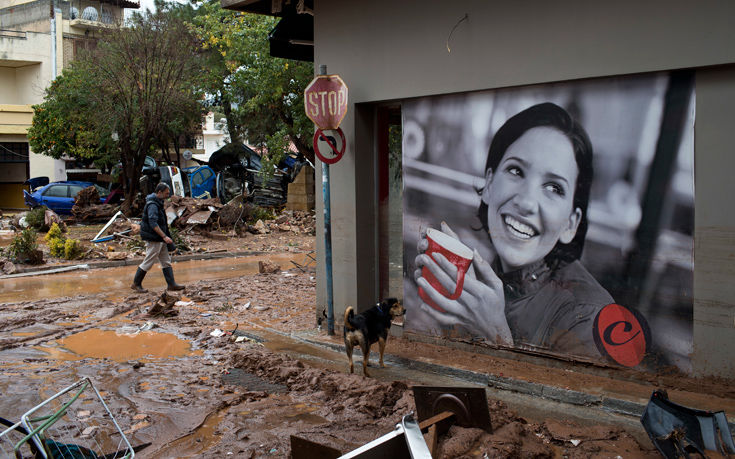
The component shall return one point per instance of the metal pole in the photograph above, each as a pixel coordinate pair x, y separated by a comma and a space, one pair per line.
327, 236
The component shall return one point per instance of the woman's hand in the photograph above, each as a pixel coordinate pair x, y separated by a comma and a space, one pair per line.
481, 306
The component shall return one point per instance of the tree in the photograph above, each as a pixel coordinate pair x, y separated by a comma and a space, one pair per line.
62, 124
261, 96
133, 91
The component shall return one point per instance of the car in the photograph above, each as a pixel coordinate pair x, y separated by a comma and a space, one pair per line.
59, 196
238, 172
170, 175
200, 182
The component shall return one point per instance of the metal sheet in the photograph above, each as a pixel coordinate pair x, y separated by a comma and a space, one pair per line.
199, 218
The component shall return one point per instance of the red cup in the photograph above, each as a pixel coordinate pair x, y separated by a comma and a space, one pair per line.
453, 250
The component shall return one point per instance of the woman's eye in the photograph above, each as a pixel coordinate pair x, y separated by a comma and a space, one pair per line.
555, 188
514, 170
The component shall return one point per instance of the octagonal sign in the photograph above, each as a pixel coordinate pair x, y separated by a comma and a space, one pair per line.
325, 101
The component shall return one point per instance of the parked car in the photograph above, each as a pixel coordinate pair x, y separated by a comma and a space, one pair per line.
59, 196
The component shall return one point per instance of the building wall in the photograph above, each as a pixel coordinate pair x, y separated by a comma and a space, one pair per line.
7, 85
26, 54
411, 49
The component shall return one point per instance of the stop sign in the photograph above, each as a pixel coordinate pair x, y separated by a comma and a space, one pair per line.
325, 101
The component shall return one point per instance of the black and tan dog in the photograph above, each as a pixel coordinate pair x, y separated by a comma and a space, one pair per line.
369, 327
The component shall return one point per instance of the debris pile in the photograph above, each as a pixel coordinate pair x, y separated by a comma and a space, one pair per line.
88, 209
185, 211
295, 221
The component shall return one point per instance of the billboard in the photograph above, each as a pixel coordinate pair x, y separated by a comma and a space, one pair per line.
554, 219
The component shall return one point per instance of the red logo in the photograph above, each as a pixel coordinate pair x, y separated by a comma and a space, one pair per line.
622, 334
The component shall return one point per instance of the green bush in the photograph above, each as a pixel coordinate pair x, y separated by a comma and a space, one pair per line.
72, 249
61, 247
36, 218
24, 248
261, 213
54, 233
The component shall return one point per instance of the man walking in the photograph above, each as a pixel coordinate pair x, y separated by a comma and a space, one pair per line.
154, 231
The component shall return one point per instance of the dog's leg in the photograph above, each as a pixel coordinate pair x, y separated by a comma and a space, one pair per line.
348, 348
381, 343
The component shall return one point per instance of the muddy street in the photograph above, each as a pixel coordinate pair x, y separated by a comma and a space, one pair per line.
116, 281
242, 365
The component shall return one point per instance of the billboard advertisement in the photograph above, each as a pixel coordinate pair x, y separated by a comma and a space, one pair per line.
554, 219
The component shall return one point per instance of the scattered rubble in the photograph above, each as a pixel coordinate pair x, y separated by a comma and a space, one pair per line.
266, 267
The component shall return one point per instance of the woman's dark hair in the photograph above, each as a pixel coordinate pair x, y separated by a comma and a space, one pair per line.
553, 116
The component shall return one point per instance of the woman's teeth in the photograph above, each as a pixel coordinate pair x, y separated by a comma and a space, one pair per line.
519, 229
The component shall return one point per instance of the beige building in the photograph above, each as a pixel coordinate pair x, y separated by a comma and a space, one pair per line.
401, 60
38, 38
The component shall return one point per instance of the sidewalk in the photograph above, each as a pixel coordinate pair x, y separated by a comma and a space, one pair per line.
607, 391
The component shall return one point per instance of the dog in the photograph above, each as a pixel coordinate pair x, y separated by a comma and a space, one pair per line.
370, 327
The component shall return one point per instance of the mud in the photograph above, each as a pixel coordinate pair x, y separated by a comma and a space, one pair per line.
171, 385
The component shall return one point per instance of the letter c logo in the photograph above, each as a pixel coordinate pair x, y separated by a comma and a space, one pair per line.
622, 335
627, 327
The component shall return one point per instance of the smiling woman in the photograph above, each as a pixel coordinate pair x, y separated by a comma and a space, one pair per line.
534, 208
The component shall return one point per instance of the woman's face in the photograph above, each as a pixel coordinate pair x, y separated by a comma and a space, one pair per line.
530, 198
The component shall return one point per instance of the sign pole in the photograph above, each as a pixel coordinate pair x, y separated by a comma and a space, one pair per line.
327, 236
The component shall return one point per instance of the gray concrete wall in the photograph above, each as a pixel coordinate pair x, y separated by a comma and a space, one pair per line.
397, 50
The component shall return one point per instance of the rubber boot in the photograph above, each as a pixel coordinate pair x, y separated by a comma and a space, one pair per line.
168, 273
138, 280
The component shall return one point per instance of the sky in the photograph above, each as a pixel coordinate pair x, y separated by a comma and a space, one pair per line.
149, 4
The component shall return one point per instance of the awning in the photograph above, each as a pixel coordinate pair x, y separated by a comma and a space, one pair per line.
293, 38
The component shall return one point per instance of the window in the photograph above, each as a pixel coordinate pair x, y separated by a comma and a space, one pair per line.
198, 179
57, 191
74, 190
206, 173
13, 152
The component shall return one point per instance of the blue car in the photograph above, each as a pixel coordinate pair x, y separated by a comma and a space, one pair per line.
200, 182
59, 196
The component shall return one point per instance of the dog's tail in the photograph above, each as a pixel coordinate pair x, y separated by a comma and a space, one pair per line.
349, 314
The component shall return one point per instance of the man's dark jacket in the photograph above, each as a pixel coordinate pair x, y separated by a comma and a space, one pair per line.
153, 215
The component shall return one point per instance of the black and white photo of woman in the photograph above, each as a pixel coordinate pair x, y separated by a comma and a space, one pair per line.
534, 211
543, 217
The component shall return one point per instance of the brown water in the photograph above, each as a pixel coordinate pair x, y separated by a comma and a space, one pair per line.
119, 347
116, 281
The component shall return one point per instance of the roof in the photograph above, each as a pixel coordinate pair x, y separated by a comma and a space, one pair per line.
123, 3
267, 7
293, 36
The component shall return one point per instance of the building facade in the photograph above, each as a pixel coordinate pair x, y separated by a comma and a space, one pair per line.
38, 38
653, 85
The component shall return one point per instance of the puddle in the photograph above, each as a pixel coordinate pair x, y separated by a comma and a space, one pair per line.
116, 281
120, 348
24, 333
